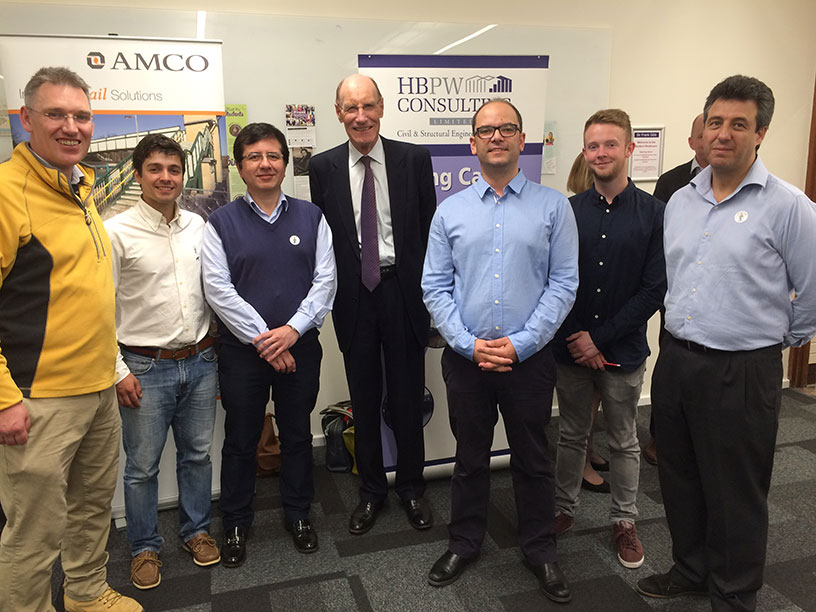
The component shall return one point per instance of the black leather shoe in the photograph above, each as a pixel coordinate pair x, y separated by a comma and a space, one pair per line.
602, 466
303, 536
447, 569
663, 587
419, 513
364, 517
233, 551
552, 581
595, 488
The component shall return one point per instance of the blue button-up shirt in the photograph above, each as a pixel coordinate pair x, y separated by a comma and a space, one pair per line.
501, 266
623, 274
237, 314
735, 266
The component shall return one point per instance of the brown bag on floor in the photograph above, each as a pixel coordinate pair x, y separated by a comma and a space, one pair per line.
269, 460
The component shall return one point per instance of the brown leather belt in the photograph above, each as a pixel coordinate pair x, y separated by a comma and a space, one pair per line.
177, 354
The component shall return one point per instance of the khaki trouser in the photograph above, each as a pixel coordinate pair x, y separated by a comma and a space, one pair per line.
56, 491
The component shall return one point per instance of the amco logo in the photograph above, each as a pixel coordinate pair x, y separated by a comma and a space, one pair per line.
96, 60
171, 62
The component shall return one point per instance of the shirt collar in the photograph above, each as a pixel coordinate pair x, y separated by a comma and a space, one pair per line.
515, 185
627, 192
695, 164
154, 218
757, 175
377, 153
76, 174
282, 202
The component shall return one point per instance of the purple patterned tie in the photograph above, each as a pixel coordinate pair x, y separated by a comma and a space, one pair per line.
370, 252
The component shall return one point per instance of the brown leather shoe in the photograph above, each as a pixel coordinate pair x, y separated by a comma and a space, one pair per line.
144, 570
563, 522
650, 452
204, 550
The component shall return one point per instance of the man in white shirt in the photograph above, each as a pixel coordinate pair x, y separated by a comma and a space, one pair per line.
166, 367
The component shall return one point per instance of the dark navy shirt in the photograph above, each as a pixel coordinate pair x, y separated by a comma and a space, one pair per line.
621, 274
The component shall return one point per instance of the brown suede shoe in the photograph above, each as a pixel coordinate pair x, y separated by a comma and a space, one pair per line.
650, 452
563, 522
144, 570
204, 550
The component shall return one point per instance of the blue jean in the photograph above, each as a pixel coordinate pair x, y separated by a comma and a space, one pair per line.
180, 394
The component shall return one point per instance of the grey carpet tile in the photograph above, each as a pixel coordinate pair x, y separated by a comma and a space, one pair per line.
808, 445
608, 593
794, 580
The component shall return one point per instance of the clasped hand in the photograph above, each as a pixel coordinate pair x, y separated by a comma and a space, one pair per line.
494, 355
273, 346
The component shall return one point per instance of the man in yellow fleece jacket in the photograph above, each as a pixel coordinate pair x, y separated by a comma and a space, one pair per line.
59, 424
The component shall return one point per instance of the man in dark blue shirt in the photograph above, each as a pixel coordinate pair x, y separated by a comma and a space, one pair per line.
601, 346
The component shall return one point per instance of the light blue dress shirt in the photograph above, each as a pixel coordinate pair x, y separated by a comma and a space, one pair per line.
237, 314
733, 267
501, 266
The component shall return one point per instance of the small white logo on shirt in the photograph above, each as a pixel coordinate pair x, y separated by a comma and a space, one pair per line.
741, 216
294, 239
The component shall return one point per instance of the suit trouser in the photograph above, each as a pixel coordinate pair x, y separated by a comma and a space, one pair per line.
716, 416
245, 381
524, 396
384, 335
56, 491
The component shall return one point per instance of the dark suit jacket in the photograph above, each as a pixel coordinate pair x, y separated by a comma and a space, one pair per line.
672, 180
413, 202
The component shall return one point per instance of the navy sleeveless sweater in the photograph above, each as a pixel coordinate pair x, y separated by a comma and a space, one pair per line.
271, 265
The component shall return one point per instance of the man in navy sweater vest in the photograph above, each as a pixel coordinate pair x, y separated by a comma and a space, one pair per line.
269, 275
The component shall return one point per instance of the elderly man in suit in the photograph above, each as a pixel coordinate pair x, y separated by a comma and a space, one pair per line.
378, 198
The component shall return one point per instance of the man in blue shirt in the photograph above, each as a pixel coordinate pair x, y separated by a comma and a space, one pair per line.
601, 346
500, 276
268, 269
741, 287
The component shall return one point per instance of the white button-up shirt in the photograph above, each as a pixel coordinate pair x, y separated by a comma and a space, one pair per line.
385, 234
157, 277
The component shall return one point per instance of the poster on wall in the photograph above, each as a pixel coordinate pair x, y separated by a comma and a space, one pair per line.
138, 86
300, 136
236, 115
646, 161
430, 100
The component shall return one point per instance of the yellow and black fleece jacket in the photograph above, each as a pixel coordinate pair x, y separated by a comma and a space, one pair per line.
57, 329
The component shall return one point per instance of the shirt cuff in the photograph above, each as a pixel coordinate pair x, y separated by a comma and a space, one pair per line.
301, 323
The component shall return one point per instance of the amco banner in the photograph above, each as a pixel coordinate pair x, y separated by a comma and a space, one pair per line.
430, 100
138, 86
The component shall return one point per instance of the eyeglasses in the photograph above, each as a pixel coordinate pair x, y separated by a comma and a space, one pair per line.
485, 132
60, 117
256, 157
368, 108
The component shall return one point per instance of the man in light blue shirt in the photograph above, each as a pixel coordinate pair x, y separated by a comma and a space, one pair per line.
741, 286
500, 275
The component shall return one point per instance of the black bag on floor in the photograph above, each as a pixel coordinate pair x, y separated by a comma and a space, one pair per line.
336, 419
